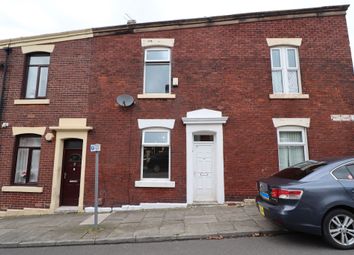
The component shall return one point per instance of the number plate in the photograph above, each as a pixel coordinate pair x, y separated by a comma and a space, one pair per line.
264, 195
261, 210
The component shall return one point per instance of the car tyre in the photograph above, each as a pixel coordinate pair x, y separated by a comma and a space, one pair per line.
338, 229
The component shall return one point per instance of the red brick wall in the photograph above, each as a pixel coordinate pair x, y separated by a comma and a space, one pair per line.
68, 93
225, 68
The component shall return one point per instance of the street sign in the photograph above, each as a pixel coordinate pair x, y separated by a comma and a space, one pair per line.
95, 147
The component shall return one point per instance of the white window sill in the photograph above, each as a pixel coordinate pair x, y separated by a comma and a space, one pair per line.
24, 189
31, 101
289, 96
154, 184
156, 96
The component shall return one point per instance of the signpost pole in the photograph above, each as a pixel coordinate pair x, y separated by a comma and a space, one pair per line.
96, 189
96, 148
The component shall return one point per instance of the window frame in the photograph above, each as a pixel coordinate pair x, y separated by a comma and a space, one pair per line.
284, 68
167, 144
304, 142
146, 61
28, 65
29, 160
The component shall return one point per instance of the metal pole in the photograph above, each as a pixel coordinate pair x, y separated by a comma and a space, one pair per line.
96, 189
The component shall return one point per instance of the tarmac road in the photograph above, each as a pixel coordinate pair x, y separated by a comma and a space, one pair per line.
288, 244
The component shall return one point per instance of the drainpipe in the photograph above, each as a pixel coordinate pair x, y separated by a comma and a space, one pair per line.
2, 89
4, 76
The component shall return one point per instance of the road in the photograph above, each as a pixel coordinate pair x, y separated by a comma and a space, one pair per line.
290, 244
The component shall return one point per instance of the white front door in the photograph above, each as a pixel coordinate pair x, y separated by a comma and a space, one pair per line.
204, 172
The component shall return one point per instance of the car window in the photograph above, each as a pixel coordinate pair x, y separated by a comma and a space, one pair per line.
351, 169
299, 171
342, 173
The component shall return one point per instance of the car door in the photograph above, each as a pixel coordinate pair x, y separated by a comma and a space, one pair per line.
345, 176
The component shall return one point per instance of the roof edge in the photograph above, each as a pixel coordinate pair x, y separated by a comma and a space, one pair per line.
46, 38
175, 24
222, 20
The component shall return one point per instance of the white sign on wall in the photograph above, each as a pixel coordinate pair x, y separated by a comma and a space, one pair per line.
342, 117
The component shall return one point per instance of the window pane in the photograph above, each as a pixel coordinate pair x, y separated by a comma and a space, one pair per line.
30, 142
34, 166
157, 78
290, 155
155, 162
276, 58
156, 137
297, 155
291, 58
157, 55
283, 157
42, 90
277, 81
290, 136
21, 166
39, 60
351, 169
73, 144
293, 82
203, 138
342, 173
31, 82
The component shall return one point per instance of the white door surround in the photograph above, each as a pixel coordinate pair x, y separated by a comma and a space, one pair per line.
205, 121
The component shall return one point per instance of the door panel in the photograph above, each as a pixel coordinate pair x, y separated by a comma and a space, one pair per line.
204, 172
70, 182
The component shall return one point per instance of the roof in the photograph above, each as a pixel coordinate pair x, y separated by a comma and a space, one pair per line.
176, 24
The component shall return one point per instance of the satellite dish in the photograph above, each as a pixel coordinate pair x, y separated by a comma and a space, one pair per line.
125, 100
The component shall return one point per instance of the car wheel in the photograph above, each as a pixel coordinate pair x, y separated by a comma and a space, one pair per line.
338, 229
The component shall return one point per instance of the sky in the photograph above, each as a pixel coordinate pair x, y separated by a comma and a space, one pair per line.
19, 18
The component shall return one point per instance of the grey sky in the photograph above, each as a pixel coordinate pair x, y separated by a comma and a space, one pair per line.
20, 18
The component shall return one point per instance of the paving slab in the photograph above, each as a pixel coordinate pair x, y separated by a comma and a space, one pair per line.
221, 226
232, 217
146, 231
134, 217
90, 220
200, 219
173, 228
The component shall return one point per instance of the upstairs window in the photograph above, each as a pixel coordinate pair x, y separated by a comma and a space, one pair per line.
157, 70
27, 161
37, 76
292, 146
285, 70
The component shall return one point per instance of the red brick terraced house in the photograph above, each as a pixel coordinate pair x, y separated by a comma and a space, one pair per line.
219, 102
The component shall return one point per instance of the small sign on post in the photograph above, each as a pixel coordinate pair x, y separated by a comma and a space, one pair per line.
96, 148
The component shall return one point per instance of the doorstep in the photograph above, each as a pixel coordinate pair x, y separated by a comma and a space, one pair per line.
67, 209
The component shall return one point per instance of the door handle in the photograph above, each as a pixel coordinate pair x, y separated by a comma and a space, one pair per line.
73, 181
64, 175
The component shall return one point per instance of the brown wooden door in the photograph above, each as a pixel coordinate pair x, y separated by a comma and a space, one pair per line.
71, 172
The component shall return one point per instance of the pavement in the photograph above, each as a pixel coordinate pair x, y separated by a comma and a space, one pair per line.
200, 222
